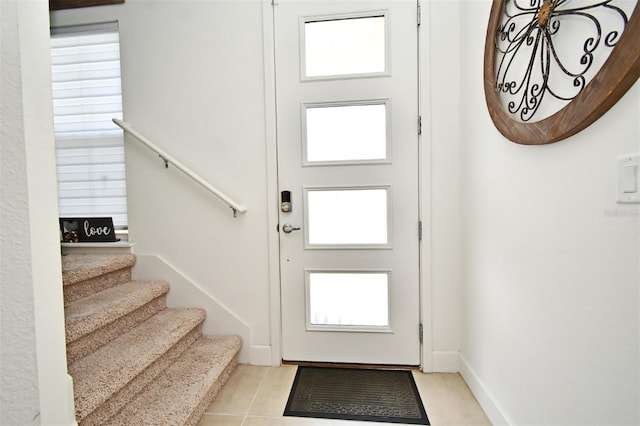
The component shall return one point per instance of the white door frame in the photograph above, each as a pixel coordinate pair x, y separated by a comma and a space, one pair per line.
424, 186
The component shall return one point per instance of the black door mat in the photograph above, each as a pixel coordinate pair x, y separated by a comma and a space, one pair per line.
352, 394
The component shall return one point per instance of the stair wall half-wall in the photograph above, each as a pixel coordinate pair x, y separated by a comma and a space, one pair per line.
185, 292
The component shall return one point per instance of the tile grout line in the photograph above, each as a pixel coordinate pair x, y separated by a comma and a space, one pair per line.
255, 396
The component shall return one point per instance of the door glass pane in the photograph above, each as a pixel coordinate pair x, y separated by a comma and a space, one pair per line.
345, 46
349, 299
347, 216
346, 133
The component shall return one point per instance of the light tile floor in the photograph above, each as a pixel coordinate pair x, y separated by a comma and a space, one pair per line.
256, 396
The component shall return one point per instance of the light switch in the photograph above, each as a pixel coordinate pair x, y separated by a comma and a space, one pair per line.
628, 166
629, 179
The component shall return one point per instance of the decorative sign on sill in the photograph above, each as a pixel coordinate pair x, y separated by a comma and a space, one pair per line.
87, 230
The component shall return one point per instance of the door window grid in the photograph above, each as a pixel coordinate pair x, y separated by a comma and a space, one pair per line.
347, 217
310, 342
344, 46
348, 300
346, 133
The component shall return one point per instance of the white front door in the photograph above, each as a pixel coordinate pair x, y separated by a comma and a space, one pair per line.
347, 111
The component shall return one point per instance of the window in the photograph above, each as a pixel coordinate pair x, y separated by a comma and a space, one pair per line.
347, 217
346, 132
336, 47
336, 300
85, 65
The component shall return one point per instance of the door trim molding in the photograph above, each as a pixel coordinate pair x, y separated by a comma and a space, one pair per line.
424, 187
271, 151
424, 184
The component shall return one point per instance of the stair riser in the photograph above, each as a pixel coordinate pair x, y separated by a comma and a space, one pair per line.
94, 285
133, 360
200, 409
92, 341
186, 389
110, 407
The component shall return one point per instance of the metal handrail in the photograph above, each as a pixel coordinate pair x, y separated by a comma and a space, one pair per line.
167, 158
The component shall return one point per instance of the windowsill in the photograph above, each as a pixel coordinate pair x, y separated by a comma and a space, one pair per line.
116, 247
119, 244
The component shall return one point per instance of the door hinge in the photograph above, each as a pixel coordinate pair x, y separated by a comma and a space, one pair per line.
419, 14
419, 125
419, 230
421, 333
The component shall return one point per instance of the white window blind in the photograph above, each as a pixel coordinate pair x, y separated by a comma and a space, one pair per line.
85, 62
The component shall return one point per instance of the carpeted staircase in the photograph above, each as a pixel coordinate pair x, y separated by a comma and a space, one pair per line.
133, 360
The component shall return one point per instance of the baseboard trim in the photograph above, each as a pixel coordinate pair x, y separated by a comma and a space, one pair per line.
261, 355
70, 398
445, 361
496, 414
184, 292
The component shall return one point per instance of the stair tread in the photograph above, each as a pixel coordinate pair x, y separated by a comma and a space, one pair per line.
103, 372
86, 315
80, 267
170, 399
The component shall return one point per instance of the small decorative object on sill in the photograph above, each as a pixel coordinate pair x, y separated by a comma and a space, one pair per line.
72, 4
87, 230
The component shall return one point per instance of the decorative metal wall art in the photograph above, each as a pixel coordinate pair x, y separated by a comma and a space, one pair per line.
553, 67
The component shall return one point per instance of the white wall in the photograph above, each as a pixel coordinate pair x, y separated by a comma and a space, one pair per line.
192, 75
530, 267
193, 83
35, 386
20, 401
551, 263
